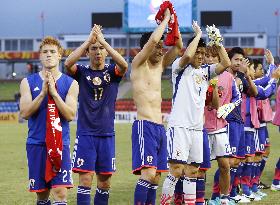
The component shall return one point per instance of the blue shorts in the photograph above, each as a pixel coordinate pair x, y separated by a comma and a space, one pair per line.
206, 164
250, 142
94, 154
262, 137
237, 139
36, 158
149, 146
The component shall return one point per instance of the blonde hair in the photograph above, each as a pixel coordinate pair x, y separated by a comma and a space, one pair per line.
49, 40
212, 51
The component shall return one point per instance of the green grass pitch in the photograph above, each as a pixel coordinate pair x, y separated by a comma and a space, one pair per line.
14, 175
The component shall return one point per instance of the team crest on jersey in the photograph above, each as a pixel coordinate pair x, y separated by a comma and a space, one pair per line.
107, 77
80, 162
96, 81
150, 159
198, 79
31, 183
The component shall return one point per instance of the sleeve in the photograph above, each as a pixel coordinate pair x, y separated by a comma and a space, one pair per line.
79, 70
175, 66
263, 81
114, 73
236, 95
270, 70
266, 92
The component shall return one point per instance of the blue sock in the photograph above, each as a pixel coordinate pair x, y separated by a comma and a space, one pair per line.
44, 202
254, 188
83, 195
216, 189
152, 194
101, 197
178, 192
246, 178
200, 191
141, 192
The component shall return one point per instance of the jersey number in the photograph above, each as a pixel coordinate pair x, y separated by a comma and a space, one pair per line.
98, 92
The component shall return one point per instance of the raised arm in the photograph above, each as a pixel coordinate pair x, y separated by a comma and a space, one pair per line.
77, 53
28, 106
225, 61
173, 52
117, 58
191, 49
68, 108
145, 53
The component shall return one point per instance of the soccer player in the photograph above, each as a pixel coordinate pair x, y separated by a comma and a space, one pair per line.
184, 135
94, 150
149, 156
49, 95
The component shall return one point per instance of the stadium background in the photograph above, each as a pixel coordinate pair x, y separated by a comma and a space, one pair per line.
253, 25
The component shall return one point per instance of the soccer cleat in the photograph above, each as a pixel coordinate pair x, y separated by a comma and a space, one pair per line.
263, 186
214, 202
275, 187
261, 194
251, 197
256, 196
244, 199
236, 198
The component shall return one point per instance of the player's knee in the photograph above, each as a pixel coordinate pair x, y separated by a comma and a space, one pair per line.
224, 168
43, 195
85, 179
191, 170
148, 174
201, 173
176, 169
106, 185
267, 152
60, 194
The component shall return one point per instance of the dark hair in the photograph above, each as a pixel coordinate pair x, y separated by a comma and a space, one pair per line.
256, 62
145, 37
201, 42
235, 50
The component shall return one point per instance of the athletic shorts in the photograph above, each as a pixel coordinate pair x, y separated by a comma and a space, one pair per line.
250, 138
185, 146
148, 146
237, 139
263, 135
219, 143
36, 159
94, 154
206, 164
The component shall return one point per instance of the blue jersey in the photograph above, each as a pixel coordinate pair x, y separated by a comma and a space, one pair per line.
235, 114
37, 122
97, 97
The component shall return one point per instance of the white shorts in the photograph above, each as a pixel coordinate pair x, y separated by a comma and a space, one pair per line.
184, 146
219, 144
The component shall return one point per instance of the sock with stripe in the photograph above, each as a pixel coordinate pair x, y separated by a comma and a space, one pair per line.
263, 162
101, 196
189, 188
216, 187
152, 193
83, 195
141, 191
178, 193
246, 178
59, 203
200, 191
168, 188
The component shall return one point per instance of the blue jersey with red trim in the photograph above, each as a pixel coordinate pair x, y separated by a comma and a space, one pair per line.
97, 97
37, 122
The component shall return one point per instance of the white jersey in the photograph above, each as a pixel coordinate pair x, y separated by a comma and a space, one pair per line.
189, 94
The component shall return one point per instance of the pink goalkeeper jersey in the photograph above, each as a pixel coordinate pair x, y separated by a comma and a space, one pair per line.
276, 119
264, 110
212, 123
253, 111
